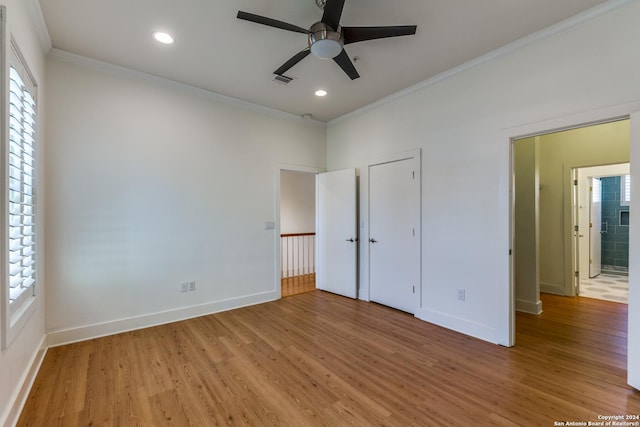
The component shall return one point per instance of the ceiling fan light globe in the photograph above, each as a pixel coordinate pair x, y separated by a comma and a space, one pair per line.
326, 49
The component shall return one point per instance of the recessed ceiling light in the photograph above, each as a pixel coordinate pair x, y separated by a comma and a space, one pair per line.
321, 92
163, 37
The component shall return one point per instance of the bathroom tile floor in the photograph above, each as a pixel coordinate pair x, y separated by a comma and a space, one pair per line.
609, 287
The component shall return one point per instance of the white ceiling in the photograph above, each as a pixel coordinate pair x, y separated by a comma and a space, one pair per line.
217, 52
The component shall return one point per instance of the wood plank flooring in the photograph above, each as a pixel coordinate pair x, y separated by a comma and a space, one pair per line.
298, 284
317, 359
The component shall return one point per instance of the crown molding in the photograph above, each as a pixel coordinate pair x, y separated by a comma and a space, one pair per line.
106, 67
560, 27
40, 25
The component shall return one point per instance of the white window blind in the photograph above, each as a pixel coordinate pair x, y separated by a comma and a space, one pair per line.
21, 197
625, 191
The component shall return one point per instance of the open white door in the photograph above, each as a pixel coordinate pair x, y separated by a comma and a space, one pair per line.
336, 232
394, 234
595, 227
633, 309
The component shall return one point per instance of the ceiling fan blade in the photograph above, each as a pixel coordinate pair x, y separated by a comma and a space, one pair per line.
332, 13
270, 22
347, 66
293, 61
360, 34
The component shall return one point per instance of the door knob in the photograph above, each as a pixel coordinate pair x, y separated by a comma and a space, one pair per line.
351, 240
373, 240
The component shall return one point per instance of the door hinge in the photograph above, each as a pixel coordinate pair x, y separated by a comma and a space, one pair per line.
590, 261
414, 289
575, 182
577, 274
510, 251
575, 228
413, 174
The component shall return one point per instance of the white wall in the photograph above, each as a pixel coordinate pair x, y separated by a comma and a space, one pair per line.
463, 123
152, 184
526, 250
26, 350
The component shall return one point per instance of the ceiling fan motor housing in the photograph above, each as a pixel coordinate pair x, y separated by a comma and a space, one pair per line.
324, 42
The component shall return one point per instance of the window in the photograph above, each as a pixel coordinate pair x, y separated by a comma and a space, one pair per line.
625, 190
18, 158
21, 212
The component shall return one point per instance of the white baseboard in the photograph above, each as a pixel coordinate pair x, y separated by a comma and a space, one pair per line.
528, 306
458, 324
83, 333
552, 288
10, 419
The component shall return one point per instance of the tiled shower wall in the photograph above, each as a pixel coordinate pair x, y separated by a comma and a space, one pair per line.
615, 241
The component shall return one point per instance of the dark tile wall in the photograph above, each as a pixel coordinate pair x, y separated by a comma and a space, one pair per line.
615, 242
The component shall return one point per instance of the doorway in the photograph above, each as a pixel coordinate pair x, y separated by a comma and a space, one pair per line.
297, 232
545, 205
604, 195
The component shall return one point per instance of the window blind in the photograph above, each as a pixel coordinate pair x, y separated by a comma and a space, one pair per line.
21, 197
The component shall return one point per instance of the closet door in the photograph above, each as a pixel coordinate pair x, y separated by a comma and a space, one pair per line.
394, 234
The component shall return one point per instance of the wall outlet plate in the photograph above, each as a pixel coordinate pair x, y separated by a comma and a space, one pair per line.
184, 287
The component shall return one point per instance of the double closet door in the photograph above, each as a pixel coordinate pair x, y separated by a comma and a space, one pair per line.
393, 240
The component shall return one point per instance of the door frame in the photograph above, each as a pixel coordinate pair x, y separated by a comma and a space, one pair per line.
600, 171
277, 283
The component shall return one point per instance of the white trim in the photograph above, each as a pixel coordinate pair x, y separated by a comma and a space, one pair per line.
40, 25
458, 324
633, 309
529, 307
118, 70
19, 397
83, 333
567, 24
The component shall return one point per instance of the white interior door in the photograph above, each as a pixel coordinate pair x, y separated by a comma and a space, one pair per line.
394, 234
336, 232
595, 227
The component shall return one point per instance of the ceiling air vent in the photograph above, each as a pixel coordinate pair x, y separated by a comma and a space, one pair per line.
282, 79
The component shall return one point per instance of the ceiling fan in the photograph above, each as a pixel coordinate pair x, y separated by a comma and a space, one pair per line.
326, 38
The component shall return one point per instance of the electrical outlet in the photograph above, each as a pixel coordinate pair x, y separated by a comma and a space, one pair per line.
192, 285
184, 286
461, 294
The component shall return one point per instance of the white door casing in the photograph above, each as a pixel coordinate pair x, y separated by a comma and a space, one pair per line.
394, 234
336, 232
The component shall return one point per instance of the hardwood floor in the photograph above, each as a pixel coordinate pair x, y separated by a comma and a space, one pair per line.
298, 284
317, 359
